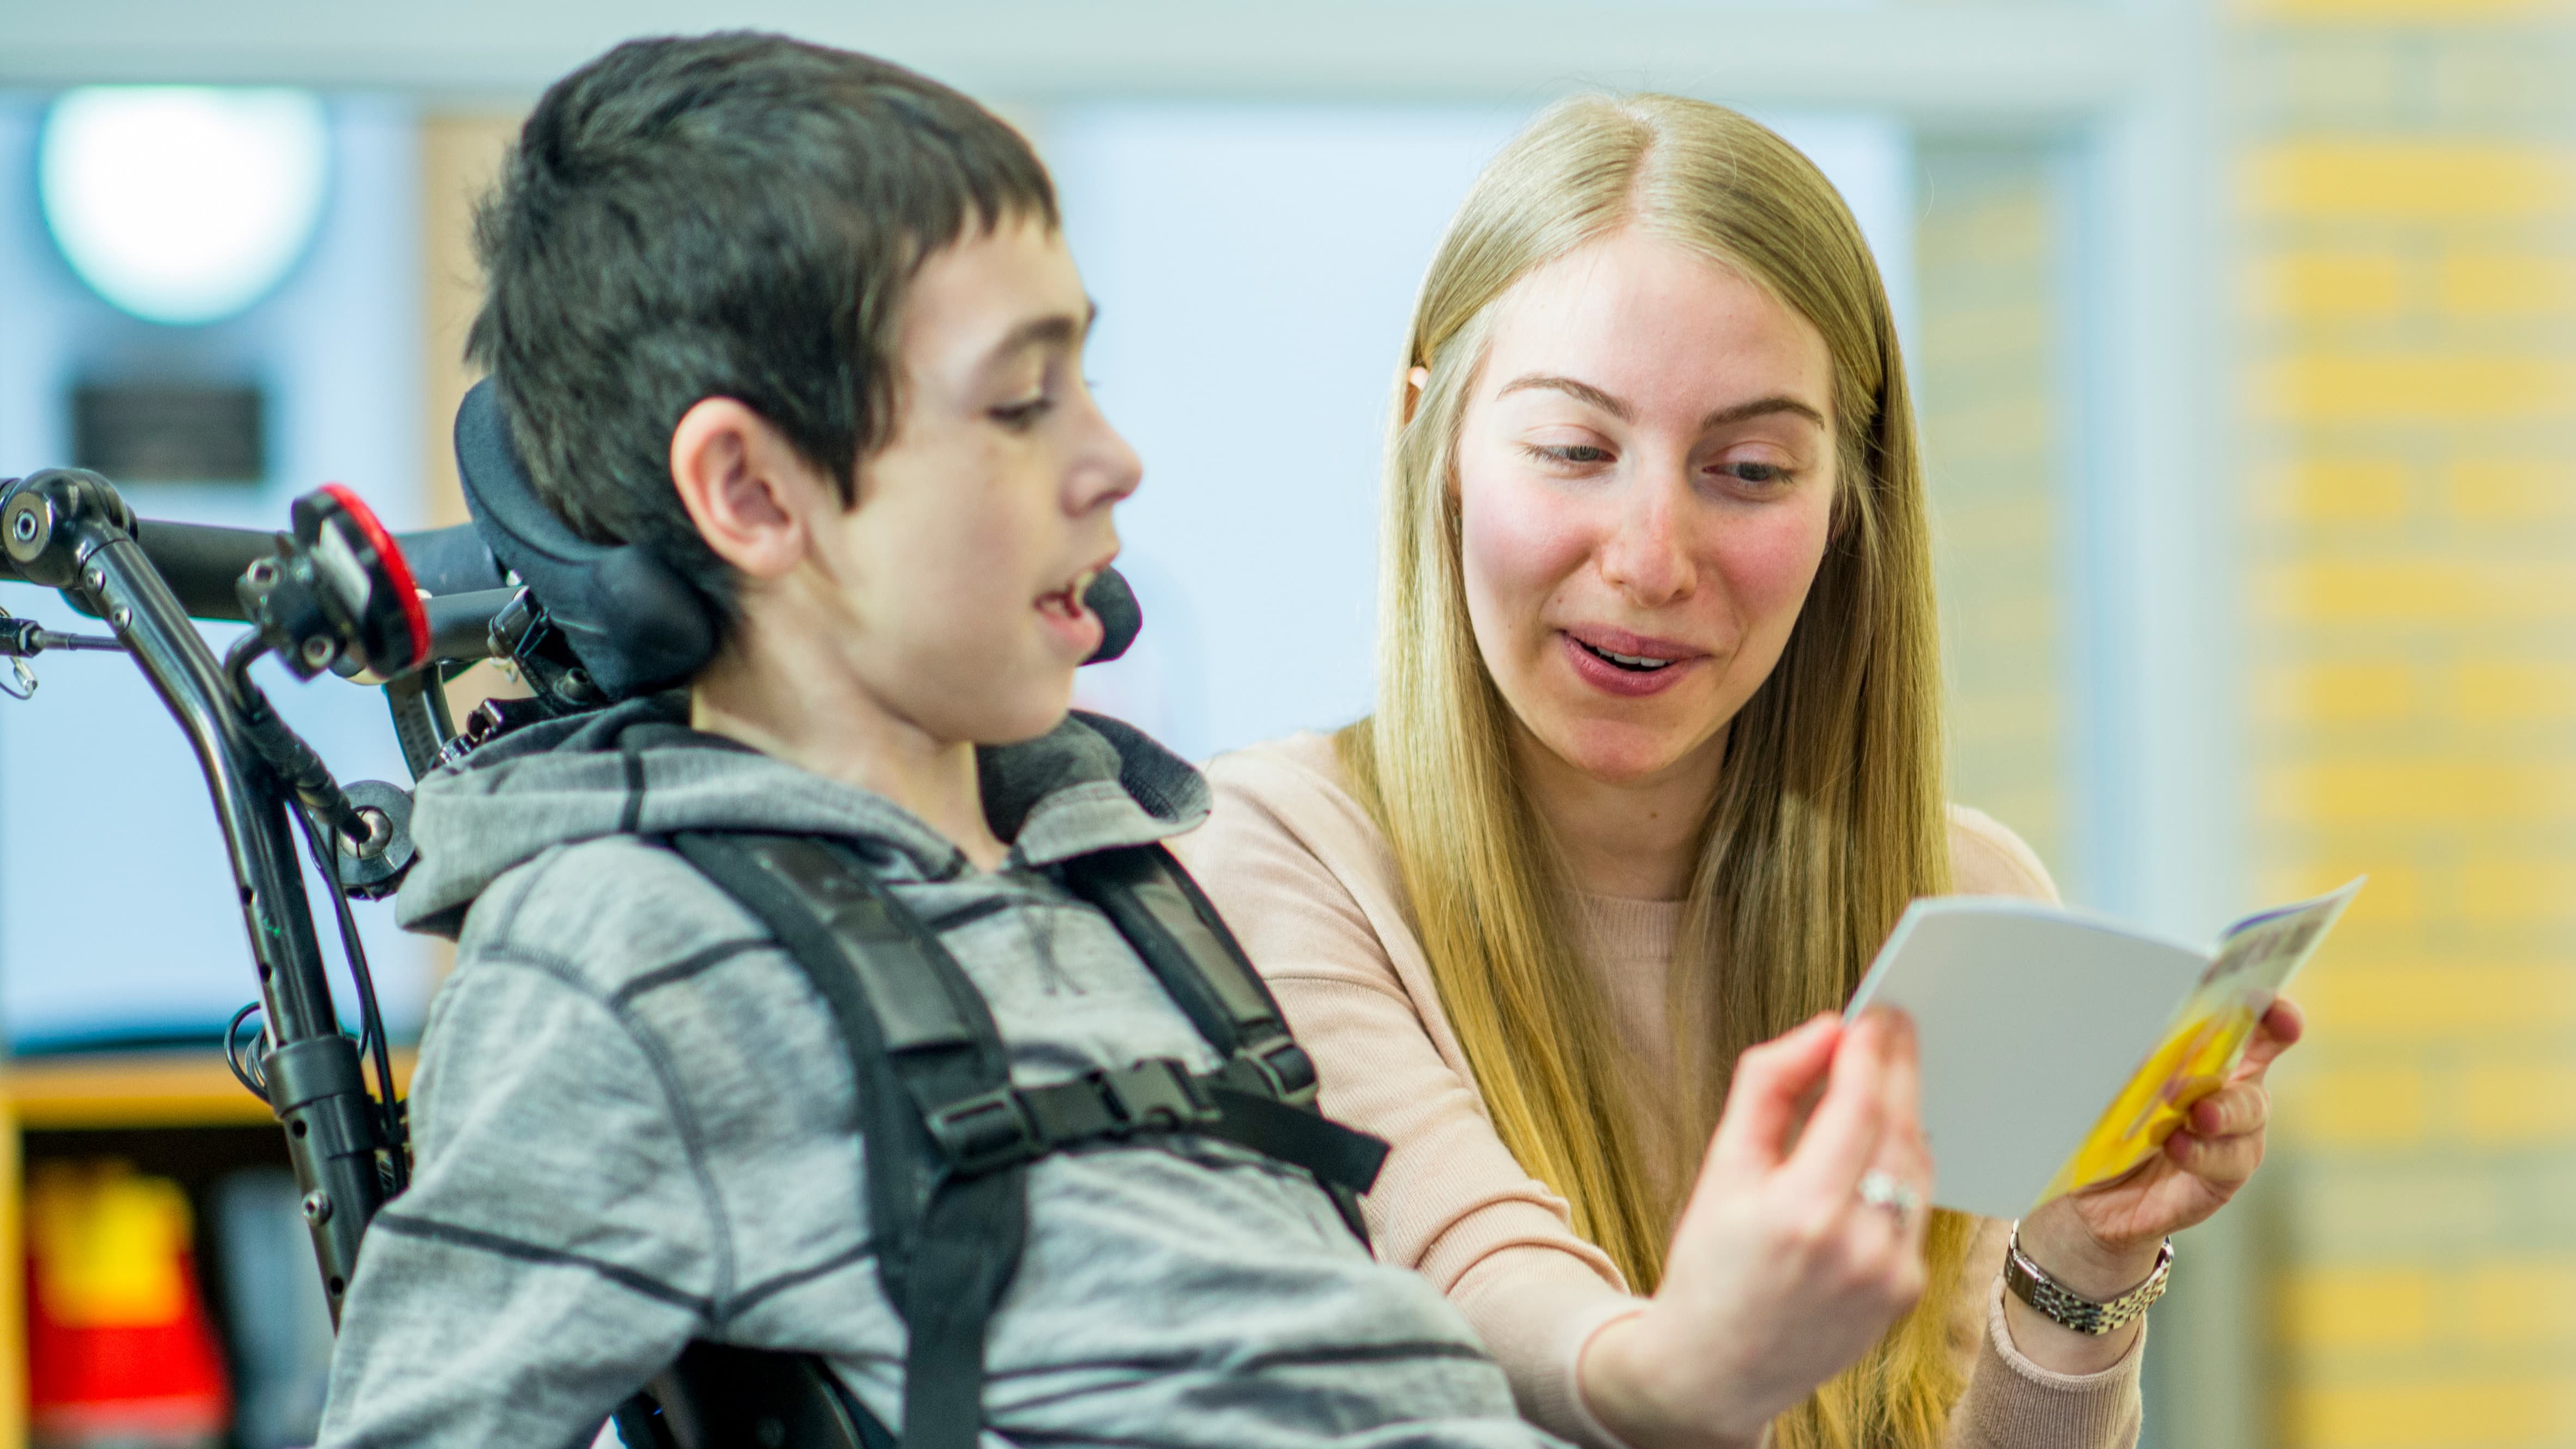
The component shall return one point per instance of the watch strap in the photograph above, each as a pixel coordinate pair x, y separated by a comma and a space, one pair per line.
2071, 1310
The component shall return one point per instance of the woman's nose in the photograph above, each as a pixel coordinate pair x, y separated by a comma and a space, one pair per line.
1644, 556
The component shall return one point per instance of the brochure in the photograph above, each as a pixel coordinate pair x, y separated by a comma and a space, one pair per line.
2061, 1048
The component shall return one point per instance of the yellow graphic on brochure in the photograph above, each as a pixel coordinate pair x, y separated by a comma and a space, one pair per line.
2204, 1042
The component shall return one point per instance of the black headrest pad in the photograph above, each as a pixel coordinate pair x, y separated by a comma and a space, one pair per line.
635, 625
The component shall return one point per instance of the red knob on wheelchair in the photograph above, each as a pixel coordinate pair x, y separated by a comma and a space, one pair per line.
338, 594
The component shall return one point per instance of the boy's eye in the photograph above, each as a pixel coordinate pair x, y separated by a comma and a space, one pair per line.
1020, 416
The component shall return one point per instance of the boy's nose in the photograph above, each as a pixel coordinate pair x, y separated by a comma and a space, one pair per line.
1107, 473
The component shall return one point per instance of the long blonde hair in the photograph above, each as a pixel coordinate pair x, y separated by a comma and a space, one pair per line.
1830, 815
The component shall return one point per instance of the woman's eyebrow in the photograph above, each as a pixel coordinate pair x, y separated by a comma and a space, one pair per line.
1582, 391
1760, 407
1617, 408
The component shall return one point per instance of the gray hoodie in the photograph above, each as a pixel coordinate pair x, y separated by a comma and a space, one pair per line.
636, 1126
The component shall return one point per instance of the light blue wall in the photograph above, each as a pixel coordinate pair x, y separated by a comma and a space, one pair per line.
116, 909
1255, 265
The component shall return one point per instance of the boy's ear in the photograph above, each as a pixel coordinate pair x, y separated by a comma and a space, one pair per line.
743, 485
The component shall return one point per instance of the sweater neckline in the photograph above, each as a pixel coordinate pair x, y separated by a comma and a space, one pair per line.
1627, 929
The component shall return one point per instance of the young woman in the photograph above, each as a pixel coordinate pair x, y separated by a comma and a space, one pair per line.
1655, 766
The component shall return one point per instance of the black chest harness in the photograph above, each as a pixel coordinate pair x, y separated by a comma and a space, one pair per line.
948, 1139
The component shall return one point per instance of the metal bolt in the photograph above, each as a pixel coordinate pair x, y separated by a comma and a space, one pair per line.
120, 616
318, 650
264, 573
380, 832
96, 577
317, 1207
24, 525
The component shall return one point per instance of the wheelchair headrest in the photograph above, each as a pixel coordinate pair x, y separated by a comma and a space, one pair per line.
634, 624
632, 621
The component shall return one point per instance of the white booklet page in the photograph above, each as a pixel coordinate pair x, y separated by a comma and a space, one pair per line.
2061, 1048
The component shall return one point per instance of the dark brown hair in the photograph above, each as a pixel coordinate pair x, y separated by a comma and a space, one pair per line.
733, 215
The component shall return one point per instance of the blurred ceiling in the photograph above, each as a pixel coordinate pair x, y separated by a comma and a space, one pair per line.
2017, 61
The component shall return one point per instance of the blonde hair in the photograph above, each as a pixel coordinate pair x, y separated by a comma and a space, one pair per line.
1830, 815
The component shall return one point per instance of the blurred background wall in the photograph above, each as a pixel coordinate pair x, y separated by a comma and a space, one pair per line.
2240, 334
2403, 282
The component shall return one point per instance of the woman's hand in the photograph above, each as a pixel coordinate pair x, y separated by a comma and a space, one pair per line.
1780, 1275
2102, 1241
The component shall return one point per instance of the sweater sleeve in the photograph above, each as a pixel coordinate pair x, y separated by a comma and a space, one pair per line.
554, 1250
1299, 876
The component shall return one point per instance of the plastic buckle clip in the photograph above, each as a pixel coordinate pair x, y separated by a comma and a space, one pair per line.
1285, 1066
983, 1132
1156, 1094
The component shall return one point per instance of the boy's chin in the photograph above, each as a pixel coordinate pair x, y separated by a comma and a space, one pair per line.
1030, 714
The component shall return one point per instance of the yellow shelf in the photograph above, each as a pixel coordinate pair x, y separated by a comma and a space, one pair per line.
138, 1089
110, 1090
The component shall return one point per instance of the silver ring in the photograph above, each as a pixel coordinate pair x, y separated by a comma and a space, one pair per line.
1883, 1190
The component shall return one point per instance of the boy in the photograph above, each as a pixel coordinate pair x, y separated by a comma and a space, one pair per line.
803, 323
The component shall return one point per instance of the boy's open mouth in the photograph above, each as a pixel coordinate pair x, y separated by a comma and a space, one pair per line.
1066, 603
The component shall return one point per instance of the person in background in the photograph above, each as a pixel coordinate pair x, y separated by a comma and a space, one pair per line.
1656, 765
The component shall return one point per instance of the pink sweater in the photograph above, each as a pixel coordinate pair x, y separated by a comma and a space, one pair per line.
1304, 877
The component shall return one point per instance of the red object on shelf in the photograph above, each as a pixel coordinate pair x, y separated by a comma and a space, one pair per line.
119, 1345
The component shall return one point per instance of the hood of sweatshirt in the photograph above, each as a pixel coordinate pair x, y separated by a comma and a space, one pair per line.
1091, 783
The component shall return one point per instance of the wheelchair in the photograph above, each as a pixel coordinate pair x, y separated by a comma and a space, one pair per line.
581, 624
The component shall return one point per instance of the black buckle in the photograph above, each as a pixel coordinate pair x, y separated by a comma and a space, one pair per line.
1285, 1066
986, 1131
1156, 1094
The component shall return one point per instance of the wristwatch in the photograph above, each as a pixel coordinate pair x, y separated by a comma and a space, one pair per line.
2067, 1308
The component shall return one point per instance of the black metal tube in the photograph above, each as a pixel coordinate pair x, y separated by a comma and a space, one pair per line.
452, 560
416, 723
460, 625
201, 562
79, 544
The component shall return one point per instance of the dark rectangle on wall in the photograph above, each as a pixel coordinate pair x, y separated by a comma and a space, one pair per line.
169, 433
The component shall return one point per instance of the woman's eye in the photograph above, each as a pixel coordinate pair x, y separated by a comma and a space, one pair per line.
1760, 475
1570, 454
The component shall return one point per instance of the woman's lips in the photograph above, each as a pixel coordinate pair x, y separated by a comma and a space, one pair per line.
1610, 678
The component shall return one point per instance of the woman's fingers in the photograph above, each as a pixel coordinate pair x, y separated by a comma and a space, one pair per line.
1842, 1139
2231, 1112
2225, 1163
1903, 1151
1904, 1141
1771, 1083
2279, 1030
2223, 1140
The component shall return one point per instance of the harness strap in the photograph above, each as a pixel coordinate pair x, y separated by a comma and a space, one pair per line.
949, 1242
948, 1138
1021, 1124
1266, 1075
